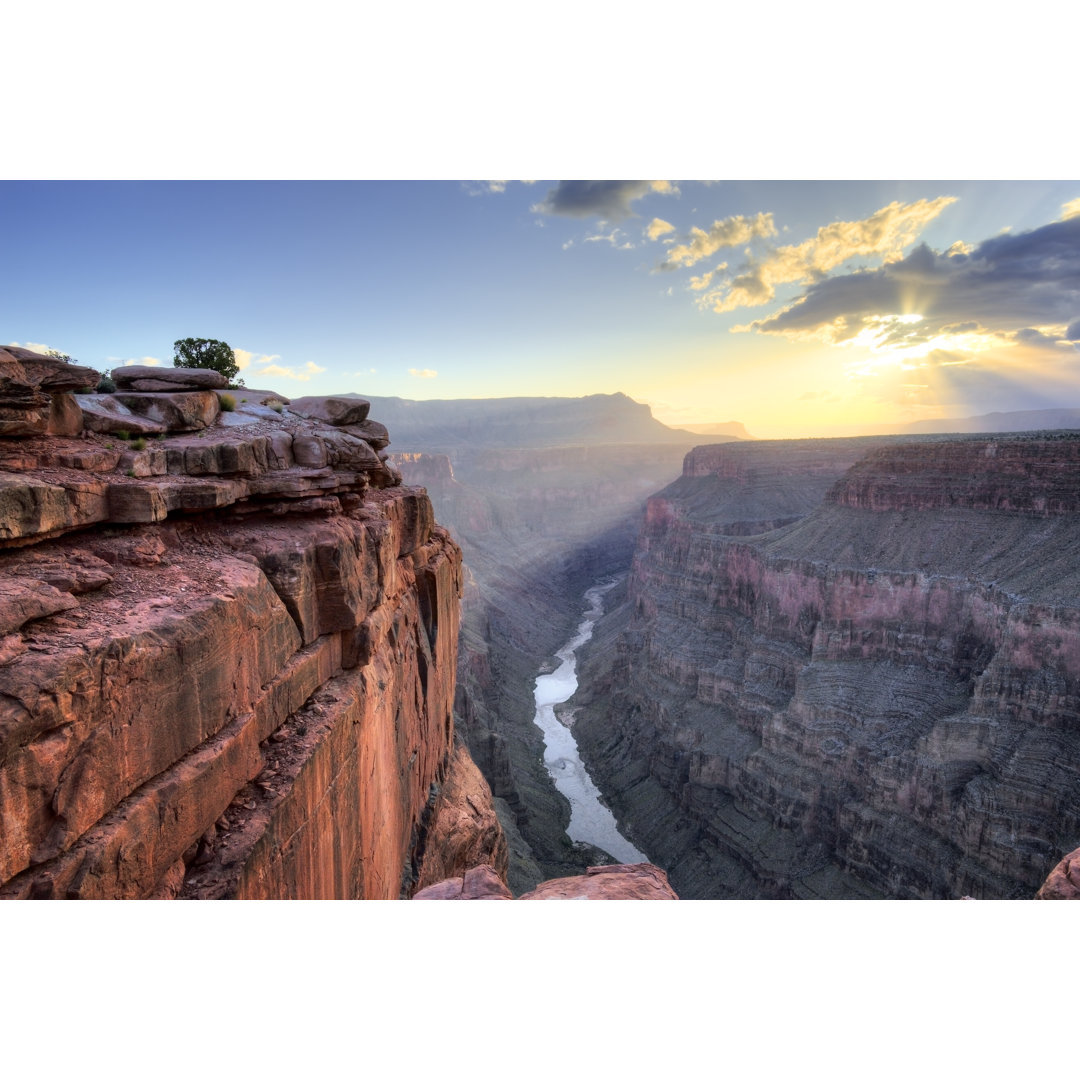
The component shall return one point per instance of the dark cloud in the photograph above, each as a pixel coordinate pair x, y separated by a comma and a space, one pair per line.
1031, 336
1007, 283
1073, 333
609, 199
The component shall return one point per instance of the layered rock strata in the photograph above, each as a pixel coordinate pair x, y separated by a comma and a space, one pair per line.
227, 667
880, 698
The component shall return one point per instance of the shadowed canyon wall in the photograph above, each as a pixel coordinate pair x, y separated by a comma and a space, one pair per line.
876, 696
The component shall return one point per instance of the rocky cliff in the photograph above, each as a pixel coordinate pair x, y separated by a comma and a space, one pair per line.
227, 654
879, 696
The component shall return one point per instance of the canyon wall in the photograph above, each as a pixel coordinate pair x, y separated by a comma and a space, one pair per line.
878, 695
227, 654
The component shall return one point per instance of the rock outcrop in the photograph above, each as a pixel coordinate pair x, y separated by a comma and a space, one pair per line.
1064, 880
641, 881
878, 698
227, 664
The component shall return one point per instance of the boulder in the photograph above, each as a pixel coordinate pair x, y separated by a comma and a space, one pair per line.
339, 411
144, 378
1064, 880
479, 883
105, 414
182, 410
372, 432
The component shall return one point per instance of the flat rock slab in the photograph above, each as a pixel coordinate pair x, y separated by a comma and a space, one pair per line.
144, 377
339, 411
641, 881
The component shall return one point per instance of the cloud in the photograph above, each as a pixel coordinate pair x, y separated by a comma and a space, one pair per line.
283, 372
884, 234
142, 361
313, 368
731, 232
1008, 283
616, 238
658, 227
960, 248
245, 359
1070, 209
423, 373
36, 346
485, 187
703, 282
608, 199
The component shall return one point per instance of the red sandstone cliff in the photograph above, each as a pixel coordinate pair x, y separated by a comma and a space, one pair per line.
227, 657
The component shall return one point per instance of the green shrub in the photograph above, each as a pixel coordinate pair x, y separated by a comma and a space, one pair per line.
228, 402
276, 406
138, 444
106, 385
122, 435
131, 473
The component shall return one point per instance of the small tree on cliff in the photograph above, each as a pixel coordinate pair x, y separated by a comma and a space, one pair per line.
205, 353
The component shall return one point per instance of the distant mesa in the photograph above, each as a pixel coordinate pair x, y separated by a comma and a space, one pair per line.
1026, 420
489, 423
733, 428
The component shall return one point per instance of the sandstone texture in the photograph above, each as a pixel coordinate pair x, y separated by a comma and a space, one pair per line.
642, 881
1064, 880
227, 665
879, 698
35, 393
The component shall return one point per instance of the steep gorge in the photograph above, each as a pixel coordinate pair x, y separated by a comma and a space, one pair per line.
876, 695
537, 525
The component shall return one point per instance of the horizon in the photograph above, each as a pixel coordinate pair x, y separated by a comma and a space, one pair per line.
797, 308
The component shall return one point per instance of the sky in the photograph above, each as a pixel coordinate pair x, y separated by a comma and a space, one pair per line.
796, 307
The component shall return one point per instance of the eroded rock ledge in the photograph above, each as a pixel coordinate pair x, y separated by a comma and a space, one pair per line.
226, 656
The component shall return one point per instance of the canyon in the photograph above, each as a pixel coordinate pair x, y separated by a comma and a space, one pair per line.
539, 522
251, 653
849, 668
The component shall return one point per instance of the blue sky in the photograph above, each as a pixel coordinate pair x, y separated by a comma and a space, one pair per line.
690, 296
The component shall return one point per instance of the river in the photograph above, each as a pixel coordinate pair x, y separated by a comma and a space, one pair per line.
590, 820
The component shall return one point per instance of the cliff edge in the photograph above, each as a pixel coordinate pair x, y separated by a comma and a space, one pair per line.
227, 648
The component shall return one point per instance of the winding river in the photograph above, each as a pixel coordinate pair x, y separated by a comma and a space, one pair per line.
590, 820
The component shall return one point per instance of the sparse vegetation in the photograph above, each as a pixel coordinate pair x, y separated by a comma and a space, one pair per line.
122, 435
276, 406
131, 473
228, 402
160, 437
138, 444
106, 385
